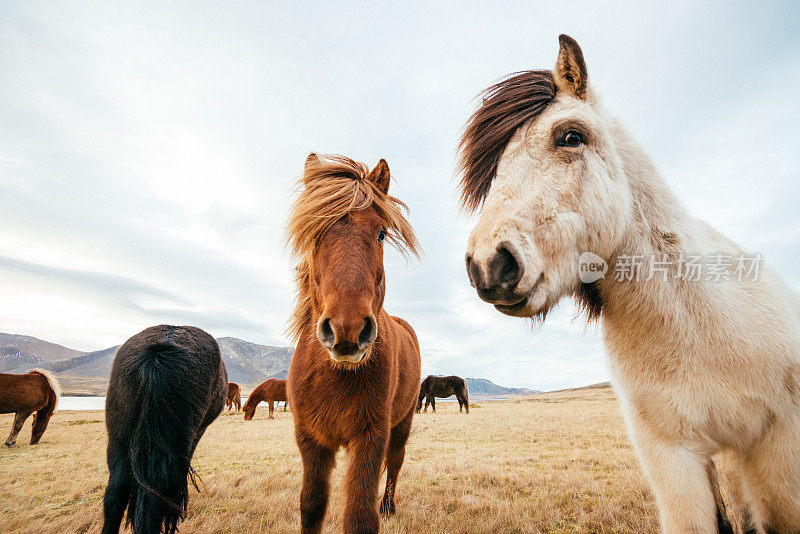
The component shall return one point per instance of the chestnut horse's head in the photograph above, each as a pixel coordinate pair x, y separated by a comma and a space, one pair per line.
337, 229
547, 167
249, 408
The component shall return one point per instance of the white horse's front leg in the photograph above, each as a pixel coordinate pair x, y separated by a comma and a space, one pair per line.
679, 480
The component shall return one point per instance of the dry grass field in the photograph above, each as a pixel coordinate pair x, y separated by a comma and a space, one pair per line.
557, 462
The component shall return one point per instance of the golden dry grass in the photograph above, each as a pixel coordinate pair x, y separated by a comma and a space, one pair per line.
551, 463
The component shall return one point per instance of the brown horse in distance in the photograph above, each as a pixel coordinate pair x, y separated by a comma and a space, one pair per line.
442, 387
270, 391
168, 383
36, 393
355, 373
234, 398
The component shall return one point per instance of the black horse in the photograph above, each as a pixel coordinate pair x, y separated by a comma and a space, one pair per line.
168, 383
443, 386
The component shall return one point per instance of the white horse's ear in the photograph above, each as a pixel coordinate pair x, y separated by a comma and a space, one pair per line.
570, 72
381, 176
312, 160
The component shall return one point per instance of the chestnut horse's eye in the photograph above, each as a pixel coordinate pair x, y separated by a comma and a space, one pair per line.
572, 138
381, 235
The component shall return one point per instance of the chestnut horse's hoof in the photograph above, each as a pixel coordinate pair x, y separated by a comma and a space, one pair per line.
9, 445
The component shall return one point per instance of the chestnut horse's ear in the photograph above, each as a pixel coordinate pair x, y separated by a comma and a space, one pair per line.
380, 175
570, 73
311, 161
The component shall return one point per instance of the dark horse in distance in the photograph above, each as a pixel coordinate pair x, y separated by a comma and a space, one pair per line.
354, 377
234, 398
443, 386
168, 383
270, 391
34, 393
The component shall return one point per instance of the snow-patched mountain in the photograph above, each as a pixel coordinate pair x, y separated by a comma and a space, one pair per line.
86, 373
19, 351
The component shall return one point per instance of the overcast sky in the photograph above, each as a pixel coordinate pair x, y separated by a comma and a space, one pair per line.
147, 154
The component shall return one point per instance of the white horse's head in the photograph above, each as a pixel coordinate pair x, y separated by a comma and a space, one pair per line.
540, 157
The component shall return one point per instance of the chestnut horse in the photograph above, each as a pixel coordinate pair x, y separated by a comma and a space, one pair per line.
354, 377
168, 383
36, 391
234, 397
271, 391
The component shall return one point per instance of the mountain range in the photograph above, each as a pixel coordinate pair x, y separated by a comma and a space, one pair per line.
86, 373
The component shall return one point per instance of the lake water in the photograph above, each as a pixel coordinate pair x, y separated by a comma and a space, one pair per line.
82, 403
99, 403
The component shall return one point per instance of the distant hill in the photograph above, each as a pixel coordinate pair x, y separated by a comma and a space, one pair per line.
94, 364
482, 386
248, 364
20, 351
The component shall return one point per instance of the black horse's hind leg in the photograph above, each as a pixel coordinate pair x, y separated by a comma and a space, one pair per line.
19, 420
285, 404
433, 404
463, 399
118, 492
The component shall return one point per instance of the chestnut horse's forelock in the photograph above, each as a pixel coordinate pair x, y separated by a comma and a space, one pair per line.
507, 105
330, 188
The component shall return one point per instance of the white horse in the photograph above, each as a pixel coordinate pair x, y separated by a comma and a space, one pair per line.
703, 363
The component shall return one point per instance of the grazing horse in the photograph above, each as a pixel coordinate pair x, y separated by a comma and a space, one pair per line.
354, 377
443, 386
234, 398
702, 364
37, 391
168, 383
270, 391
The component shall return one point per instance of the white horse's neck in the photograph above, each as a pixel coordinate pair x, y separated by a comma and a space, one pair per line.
660, 229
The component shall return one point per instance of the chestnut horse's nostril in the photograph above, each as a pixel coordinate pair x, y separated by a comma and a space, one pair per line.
368, 333
474, 272
505, 269
325, 333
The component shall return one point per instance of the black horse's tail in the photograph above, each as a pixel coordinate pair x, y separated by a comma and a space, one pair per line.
163, 441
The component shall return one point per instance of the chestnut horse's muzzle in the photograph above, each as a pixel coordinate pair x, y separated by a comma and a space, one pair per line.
347, 341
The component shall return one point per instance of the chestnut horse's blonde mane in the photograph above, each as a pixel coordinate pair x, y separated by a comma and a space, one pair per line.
331, 187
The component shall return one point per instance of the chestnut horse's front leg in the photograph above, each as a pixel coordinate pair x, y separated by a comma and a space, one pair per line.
271, 410
395, 453
318, 463
19, 420
363, 474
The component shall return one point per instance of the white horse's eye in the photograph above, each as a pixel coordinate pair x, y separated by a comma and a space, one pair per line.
572, 138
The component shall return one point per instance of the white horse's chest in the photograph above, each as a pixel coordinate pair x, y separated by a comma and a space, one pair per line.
680, 390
